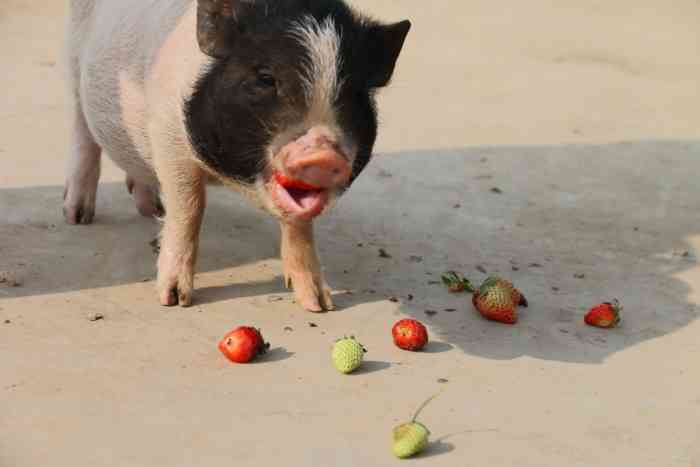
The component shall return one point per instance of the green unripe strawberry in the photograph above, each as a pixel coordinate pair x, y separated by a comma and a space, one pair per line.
347, 354
410, 439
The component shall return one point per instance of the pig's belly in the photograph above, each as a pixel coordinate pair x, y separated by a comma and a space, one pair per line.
115, 110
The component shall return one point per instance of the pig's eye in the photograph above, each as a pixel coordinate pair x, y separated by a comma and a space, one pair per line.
266, 80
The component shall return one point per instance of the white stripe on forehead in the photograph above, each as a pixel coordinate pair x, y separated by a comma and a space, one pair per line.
322, 84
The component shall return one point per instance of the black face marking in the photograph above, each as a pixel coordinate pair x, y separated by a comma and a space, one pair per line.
241, 102
358, 118
257, 86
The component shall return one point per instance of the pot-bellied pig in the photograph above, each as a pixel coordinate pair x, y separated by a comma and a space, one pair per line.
273, 98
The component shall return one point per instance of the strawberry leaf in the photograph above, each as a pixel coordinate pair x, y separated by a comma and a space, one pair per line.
488, 283
455, 282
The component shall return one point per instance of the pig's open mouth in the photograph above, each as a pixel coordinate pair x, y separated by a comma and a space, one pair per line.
298, 202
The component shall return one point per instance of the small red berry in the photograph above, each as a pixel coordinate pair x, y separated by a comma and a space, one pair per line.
498, 300
243, 344
409, 334
604, 315
288, 182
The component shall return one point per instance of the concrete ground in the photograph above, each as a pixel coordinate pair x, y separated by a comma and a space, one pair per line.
586, 115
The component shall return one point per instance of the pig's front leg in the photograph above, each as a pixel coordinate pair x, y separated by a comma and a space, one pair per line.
302, 269
184, 195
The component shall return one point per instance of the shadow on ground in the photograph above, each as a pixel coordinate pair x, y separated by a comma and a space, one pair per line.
570, 225
117, 248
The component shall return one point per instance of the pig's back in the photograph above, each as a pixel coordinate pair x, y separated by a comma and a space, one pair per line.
115, 43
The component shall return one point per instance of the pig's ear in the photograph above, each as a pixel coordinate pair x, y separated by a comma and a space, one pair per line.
385, 44
217, 24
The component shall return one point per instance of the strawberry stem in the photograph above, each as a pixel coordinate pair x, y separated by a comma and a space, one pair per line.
425, 402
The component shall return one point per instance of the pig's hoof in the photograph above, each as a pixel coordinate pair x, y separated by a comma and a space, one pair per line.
312, 296
175, 276
174, 296
147, 200
150, 208
79, 215
325, 299
78, 208
175, 291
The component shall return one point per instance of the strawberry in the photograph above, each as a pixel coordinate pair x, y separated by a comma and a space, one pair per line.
409, 334
604, 315
496, 299
347, 354
288, 182
243, 344
455, 282
412, 437
409, 439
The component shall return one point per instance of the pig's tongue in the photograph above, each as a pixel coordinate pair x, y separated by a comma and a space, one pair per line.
300, 202
306, 199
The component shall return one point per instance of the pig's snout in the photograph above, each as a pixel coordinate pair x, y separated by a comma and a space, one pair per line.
306, 171
322, 168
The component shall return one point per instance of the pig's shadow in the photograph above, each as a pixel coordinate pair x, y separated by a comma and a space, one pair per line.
116, 248
621, 214
218, 293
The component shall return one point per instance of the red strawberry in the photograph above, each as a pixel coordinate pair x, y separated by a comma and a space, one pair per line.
409, 334
243, 344
496, 299
294, 183
604, 315
455, 282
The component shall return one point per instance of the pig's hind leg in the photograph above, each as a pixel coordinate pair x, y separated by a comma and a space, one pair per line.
83, 170
84, 153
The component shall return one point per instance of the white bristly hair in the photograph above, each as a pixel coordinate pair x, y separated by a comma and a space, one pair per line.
322, 84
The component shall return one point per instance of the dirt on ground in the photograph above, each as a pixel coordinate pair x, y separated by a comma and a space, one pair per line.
555, 144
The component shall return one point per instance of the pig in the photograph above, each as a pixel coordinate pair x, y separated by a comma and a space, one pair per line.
272, 98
